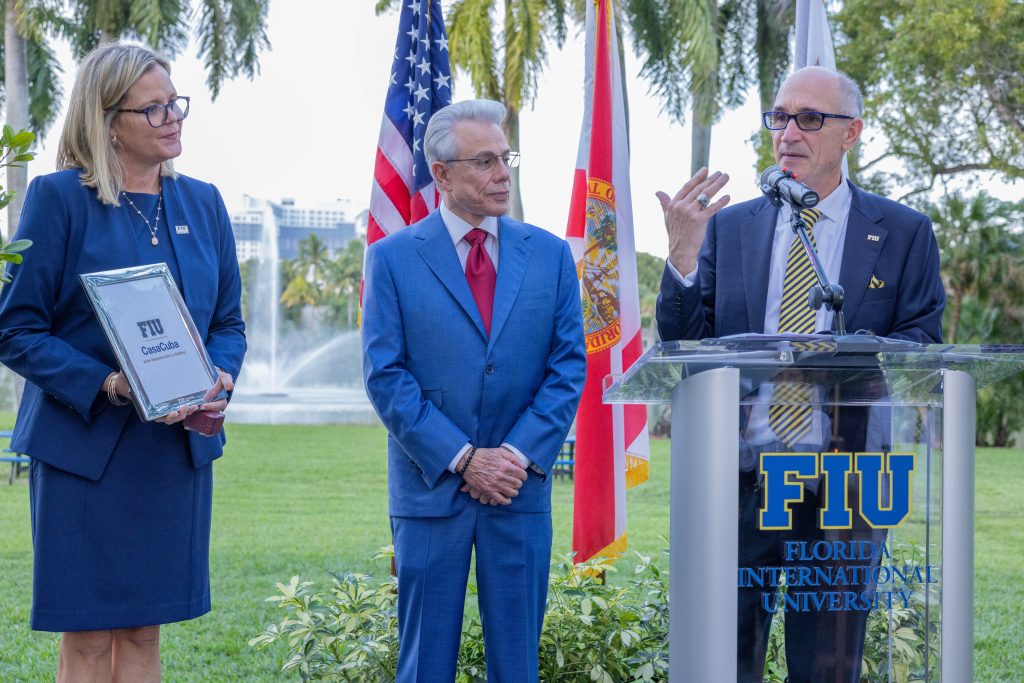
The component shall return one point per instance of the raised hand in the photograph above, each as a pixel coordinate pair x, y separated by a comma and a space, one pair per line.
687, 215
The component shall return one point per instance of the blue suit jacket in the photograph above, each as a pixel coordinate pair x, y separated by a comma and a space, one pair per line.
734, 265
48, 331
438, 381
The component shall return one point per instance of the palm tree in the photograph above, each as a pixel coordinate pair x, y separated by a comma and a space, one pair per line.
775, 22
982, 255
308, 276
502, 65
346, 276
15, 62
32, 89
231, 36
231, 33
983, 274
314, 261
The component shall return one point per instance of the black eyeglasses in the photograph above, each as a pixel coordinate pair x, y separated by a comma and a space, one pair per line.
486, 163
156, 114
805, 120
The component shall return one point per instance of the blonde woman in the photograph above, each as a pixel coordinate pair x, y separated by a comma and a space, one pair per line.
120, 508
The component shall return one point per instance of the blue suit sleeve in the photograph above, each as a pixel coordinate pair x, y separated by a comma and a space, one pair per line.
426, 435
29, 303
541, 429
921, 297
225, 340
688, 312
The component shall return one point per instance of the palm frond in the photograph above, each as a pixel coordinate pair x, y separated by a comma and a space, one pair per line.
384, 6
214, 43
45, 91
678, 43
775, 20
471, 45
525, 51
249, 30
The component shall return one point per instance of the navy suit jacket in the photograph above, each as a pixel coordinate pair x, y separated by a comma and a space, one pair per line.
50, 336
438, 381
883, 239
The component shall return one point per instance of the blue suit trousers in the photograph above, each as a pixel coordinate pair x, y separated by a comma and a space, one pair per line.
432, 556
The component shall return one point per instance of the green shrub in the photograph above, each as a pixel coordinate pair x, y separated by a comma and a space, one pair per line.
592, 631
894, 637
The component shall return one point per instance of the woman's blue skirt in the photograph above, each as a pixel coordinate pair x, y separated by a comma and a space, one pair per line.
131, 549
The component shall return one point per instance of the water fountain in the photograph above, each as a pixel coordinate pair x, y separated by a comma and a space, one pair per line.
307, 375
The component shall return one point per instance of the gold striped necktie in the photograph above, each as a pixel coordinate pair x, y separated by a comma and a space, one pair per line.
789, 414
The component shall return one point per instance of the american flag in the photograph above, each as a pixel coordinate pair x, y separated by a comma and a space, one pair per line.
403, 191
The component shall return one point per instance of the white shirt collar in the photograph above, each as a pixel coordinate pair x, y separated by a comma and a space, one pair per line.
459, 228
834, 207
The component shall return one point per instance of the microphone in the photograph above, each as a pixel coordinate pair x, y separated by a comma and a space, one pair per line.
780, 183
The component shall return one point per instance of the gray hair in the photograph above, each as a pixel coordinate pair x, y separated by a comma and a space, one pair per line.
439, 141
104, 78
851, 102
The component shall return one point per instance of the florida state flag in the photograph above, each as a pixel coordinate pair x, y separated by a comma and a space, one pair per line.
612, 449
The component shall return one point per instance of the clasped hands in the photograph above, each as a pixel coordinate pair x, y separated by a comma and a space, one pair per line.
494, 476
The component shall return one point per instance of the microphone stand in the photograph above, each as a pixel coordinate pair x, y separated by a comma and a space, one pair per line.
823, 293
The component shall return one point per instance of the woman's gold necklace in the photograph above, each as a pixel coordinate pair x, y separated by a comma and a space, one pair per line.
156, 224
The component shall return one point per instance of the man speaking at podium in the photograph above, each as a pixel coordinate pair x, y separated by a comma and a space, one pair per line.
732, 271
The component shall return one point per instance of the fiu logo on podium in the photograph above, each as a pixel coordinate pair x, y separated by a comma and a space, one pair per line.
883, 488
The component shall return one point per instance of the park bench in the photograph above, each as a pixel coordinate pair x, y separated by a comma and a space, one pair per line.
565, 463
19, 463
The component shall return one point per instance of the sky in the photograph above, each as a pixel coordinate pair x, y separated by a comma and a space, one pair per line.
307, 126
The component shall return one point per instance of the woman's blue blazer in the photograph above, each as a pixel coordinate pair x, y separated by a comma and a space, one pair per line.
50, 336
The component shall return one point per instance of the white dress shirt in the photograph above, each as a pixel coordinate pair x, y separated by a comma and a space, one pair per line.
458, 229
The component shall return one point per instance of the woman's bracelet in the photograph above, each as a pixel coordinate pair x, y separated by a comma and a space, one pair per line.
469, 458
112, 390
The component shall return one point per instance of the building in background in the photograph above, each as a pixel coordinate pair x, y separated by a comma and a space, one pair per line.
335, 223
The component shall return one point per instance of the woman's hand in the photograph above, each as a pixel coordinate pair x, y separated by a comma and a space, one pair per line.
224, 383
177, 416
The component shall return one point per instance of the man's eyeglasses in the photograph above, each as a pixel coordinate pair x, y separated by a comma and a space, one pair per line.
156, 114
486, 163
805, 120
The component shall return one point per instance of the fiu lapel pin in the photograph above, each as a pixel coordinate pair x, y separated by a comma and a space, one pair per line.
181, 229
875, 283
872, 238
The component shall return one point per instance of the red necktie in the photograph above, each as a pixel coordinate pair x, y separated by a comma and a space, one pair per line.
481, 275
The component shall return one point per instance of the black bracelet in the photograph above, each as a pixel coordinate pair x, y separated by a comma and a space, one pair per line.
469, 458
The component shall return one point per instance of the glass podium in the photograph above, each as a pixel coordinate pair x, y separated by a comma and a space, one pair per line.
865, 504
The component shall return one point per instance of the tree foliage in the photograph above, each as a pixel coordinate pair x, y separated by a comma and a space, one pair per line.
982, 249
321, 285
14, 151
943, 82
649, 269
36, 22
231, 35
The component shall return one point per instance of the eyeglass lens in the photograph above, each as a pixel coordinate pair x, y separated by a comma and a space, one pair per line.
511, 160
805, 120
157, 114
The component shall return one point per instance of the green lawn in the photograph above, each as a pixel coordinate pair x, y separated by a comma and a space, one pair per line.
312, 500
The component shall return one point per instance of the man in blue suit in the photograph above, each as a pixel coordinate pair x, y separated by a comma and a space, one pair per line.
725, 276
474, 359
